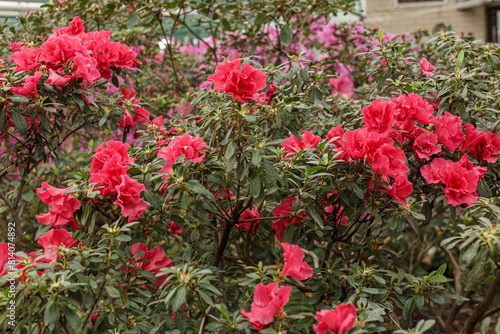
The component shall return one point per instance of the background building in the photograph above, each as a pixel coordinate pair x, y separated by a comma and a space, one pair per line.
479, 17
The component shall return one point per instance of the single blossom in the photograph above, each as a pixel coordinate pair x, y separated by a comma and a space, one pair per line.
343, 85
337, 321
109, 163
175, 229
153, 260
410, 108
242, 84
4, 257
185, 145
28, 88
268, 301
400, 189
459, 178
378, 117
426, 67
294, 263
56, 80
336, 132
449, 131
252, 213
482, 145
426, 145
308, 141
26, 59
389, 160
285, 209
63, 207
54, 239
128, 198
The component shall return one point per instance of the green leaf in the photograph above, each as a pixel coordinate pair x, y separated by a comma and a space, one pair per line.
304, 74
112, 291
78, 100
223, 309
460, 59
153, 199
71, 317
123, 237
270, 172
260, 19
225, 25
288, 233
380, 35
28, 195
185, 201
2, 119
408, 308
485, 325
257, 157
206, 298
419, 301
51, 315
44, 121
196, 187
115, 81
230, 150
441, 270
19, 98
316, 217
417, 229
179, 299
131, 21
20, 122
255, 186
286, 36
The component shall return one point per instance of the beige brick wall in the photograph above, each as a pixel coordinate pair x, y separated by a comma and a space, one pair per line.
405, 18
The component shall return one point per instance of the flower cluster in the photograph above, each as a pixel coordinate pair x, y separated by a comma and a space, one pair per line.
108, 169
72, 54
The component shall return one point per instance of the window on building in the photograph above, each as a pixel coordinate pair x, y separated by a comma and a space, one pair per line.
420, 2
493, 26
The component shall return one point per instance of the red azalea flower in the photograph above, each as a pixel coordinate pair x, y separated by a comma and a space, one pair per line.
426, 145
53, 239
426, 67
268, 300
252, 213
185, 145
308, 141
156, 260
337, 321
482, 145
460, 179
449, 131
242, 85
28, 88
378, 117
285, 209
63, 205
128, 198
294, 264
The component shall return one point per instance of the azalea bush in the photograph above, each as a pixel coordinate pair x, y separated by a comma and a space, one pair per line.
324, 178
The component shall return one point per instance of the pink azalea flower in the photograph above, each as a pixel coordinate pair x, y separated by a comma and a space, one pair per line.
426, 67
294, 264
